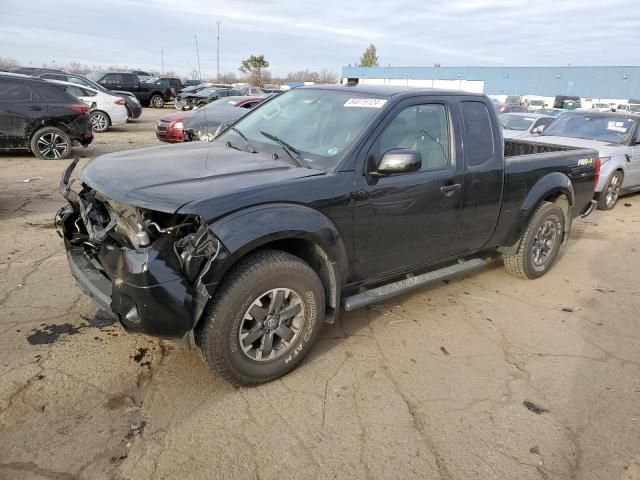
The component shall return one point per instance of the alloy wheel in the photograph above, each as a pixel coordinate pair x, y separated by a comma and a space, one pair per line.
52, 145
272, 324
543, 242
99, 122
613, 190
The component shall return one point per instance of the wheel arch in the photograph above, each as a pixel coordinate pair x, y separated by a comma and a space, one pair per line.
298, 230
554, 187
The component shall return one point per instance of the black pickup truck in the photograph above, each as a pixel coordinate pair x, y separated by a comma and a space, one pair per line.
156, 92
322, 198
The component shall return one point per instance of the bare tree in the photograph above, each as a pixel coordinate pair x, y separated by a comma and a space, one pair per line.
78, 68
7, 63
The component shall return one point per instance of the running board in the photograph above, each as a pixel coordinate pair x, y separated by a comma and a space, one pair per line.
411, 283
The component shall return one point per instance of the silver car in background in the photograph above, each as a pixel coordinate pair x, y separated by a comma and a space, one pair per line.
522, 124
616, 137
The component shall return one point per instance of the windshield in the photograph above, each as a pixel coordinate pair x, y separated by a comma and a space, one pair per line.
602, 128
516, 122
634, 108
205, 92
320, 124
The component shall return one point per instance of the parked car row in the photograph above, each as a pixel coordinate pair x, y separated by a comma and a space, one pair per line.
614, 135
199, 124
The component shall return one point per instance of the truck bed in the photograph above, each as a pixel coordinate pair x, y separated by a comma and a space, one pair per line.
513, 148
527, 163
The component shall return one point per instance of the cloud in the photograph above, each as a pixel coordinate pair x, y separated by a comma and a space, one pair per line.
295, 35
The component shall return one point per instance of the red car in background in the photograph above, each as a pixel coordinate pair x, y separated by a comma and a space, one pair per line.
170, 128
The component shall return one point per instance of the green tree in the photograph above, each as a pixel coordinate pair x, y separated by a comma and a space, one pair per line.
369, 58
254, 68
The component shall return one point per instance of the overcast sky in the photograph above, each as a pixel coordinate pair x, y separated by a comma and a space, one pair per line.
297, 34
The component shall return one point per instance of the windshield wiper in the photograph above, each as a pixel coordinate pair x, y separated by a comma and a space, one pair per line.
242, 135
293, 152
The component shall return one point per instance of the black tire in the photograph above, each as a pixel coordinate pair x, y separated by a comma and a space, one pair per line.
51, 143
157, 101
611, 191
100, 121
227, 318
538, 250
129, 113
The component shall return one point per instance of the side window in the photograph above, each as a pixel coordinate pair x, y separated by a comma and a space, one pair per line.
128, 79
75, 91
424, 128
543, 121
478, 134
110, 79
79, 81
175, 82
11, 91
55, 93
80, 92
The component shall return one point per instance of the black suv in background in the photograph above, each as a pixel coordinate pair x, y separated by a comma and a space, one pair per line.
40, 117
155, 92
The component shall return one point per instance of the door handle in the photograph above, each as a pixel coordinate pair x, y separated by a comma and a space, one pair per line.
450, 189
34, 108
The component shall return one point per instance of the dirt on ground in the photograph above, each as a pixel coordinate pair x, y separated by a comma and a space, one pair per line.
489, 377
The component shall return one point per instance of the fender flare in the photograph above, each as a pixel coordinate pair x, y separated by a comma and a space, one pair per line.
249, 229
550, 185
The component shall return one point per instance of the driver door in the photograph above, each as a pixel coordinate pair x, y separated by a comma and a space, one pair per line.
410, 219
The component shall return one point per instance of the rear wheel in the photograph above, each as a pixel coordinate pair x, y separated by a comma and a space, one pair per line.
100, 121
611, 191
51, 143
157, 101
264, 319
539, 244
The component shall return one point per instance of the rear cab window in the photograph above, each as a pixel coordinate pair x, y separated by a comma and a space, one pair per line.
478, 133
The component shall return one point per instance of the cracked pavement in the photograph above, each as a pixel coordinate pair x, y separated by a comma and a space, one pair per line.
429, 385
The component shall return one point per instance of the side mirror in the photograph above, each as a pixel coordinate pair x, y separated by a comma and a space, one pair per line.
399, 160
538, 130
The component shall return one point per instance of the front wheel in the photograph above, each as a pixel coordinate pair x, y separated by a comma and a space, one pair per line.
157, 101
611, 191
264, 319
539, 244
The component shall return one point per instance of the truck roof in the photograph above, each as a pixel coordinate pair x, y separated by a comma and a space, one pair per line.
391, 90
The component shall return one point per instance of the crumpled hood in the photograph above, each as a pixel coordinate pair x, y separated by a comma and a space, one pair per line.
170, 176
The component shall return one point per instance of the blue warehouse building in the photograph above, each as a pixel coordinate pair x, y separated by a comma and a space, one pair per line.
621, 82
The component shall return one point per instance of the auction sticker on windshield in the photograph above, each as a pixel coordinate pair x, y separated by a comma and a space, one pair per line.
617, 127
365, 102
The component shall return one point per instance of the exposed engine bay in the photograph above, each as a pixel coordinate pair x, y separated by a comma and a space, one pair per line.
143, 253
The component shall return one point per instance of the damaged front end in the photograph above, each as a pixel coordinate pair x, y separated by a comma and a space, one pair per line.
147, 267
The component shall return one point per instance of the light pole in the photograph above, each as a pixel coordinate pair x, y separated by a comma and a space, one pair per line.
218, 22
162, 57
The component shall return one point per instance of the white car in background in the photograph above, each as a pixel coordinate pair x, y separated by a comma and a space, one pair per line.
523, 124
106, 110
